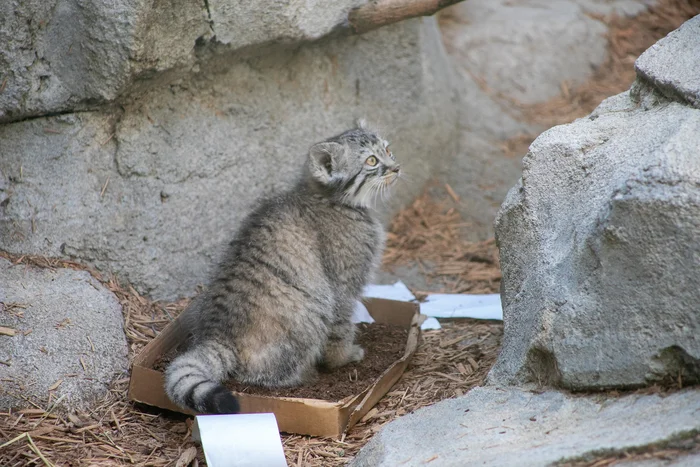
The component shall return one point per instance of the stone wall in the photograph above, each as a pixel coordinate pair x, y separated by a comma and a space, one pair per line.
135, 138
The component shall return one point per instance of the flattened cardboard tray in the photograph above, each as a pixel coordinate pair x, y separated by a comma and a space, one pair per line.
294, 415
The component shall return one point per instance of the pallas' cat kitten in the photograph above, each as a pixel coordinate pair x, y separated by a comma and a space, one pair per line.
281, 301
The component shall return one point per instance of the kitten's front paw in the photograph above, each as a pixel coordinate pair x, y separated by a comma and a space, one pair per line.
357, 353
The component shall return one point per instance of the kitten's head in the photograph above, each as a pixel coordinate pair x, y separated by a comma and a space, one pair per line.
354, 167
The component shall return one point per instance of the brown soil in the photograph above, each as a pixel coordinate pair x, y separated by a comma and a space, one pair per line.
383, 344
162, 361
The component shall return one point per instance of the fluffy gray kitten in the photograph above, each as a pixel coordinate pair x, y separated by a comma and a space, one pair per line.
281, 301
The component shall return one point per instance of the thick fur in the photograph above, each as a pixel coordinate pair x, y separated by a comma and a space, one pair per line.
281, 301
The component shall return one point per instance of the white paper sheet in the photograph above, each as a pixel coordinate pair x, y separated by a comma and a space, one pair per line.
435, 306
242, 440
397, 291
463, 306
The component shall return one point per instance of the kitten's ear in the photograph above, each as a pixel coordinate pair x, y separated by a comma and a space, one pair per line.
370, 127
323, 159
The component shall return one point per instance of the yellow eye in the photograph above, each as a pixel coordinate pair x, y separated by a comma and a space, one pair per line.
371, 161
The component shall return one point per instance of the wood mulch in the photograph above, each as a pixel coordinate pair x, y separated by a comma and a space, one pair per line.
430, 234
448, 363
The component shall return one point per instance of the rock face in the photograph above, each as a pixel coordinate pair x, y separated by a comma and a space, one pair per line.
498, 42
69, 336
63, 55
600, 241
267, 20
511, 427
152, 190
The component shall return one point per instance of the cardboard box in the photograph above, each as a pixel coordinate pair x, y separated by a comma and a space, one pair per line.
302, 416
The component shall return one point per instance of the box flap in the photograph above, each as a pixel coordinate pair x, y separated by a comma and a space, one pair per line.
389, 377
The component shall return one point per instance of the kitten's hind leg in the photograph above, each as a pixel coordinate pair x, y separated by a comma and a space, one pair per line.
287, 363
341, 348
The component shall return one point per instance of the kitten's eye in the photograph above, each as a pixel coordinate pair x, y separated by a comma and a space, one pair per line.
371, 161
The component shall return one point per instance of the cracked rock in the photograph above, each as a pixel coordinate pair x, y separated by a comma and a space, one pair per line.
60, 56
672, 63
64, 55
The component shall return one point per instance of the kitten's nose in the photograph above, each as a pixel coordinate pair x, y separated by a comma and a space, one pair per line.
396, 169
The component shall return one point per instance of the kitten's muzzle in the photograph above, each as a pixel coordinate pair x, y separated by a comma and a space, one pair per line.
392, 174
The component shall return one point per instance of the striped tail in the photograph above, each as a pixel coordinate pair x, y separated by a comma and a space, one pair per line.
193, 380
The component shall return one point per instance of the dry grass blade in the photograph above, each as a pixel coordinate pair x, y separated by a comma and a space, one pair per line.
32, 446
188, 455
7, 331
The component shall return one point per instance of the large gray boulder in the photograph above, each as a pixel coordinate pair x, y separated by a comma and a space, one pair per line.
504, 427
68, 337
600, 241
154, 189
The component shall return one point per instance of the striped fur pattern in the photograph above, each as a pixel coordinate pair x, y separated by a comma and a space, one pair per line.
280, 303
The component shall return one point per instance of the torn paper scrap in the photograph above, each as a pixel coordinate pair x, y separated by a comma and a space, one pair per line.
360, 314
241, 440
463, 306
430, 324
